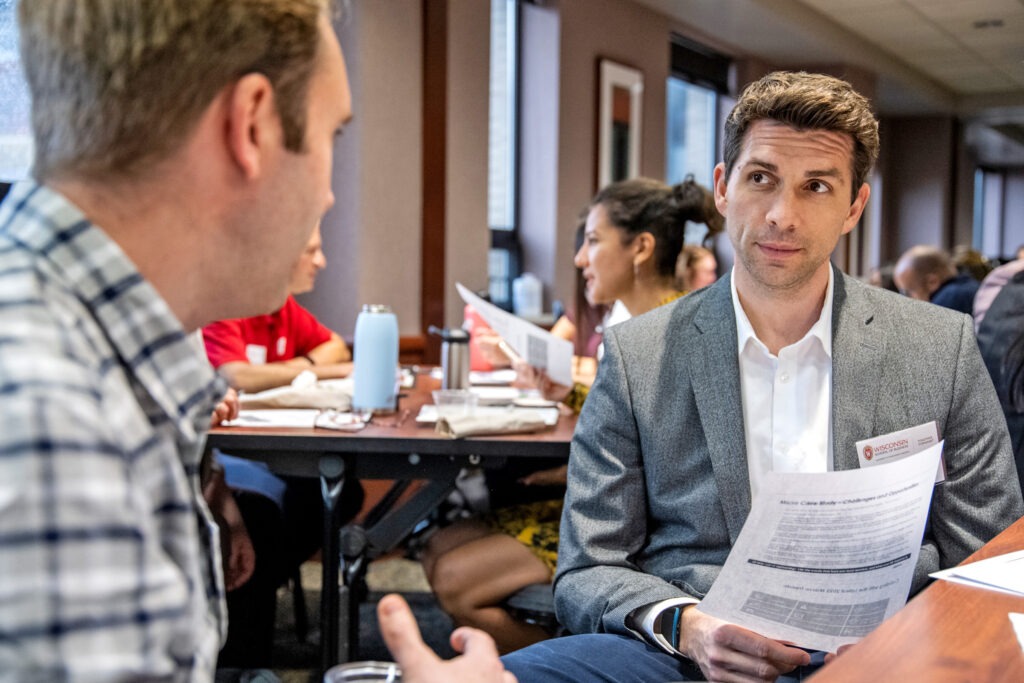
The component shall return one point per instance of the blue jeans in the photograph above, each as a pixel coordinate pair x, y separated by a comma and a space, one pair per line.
614, 659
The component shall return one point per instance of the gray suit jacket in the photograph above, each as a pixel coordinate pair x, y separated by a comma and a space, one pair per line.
658, 484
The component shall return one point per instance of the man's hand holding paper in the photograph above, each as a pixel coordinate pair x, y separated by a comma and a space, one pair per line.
725, 651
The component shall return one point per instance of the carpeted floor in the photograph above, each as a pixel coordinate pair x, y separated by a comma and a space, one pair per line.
296, 662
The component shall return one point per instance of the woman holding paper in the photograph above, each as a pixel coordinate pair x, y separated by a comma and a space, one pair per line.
632, 237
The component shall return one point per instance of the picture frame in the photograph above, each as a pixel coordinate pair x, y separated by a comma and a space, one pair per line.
620, 110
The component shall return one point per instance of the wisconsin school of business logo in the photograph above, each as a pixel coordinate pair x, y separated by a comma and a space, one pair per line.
869, 452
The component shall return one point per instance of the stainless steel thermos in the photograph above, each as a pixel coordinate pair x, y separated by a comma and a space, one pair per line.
454, 356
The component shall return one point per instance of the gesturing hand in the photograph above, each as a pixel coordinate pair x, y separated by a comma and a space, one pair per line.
478, 662
727, 652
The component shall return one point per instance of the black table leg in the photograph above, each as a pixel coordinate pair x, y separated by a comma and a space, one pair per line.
332, 476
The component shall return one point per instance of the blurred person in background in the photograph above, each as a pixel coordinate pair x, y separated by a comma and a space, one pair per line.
927, 273
991, 286
971, 262
1000, 335
882, 277
696, 268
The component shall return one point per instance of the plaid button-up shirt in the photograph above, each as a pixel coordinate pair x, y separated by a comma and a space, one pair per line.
109, 559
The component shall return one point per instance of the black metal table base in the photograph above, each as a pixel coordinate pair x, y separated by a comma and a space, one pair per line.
346, 555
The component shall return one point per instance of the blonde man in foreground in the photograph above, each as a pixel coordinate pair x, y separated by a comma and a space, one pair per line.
182, 146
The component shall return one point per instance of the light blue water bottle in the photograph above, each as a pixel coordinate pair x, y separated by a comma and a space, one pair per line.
376, 360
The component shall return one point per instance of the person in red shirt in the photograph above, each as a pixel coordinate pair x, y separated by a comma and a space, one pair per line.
283, 515
269, 351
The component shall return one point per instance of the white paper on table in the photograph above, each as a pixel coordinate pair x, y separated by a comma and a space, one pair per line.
535, 345
496, 396
1018, 627
428, 413
274, 417
1002, 573
501, 377
825, 558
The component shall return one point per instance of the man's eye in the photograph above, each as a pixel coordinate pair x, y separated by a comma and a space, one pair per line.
818, 187
759, 178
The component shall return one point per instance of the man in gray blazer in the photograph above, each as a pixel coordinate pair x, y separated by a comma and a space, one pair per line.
780, 366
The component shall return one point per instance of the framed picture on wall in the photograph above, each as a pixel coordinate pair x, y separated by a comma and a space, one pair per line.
620, 100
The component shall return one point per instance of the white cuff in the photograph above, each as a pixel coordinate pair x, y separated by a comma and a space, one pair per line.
645, 622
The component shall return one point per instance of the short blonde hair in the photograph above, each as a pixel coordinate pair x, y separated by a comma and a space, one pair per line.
117, 85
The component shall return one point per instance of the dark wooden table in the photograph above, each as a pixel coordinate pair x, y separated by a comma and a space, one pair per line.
389, 448
949, 632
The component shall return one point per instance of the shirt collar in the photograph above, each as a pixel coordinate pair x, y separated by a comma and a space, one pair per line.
141, 328
822, 329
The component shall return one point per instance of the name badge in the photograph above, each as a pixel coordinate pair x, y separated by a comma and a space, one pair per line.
898, 445
256, 354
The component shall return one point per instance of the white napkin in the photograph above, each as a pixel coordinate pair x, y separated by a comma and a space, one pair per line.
303, 392
511, 422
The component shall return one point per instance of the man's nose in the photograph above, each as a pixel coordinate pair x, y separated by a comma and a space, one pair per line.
782, 213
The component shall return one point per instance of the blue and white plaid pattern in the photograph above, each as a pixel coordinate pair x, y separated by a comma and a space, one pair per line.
109, 559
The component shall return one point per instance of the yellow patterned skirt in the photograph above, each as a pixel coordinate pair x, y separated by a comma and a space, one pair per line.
535, 525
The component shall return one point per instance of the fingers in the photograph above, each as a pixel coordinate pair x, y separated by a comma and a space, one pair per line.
745, 652
479, 656
474, 643
233, 403
220, 414
726, 651
402, 635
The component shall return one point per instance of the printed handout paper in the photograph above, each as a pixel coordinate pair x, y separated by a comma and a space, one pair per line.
824, 558
535, 345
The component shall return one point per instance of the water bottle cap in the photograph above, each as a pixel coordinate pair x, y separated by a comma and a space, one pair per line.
376, 308
455, 335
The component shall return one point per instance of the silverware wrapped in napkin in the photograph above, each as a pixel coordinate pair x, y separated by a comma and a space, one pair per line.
303, 392
510, 422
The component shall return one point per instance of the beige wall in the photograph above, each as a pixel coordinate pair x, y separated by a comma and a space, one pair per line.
467, 238
919, 161
372, 235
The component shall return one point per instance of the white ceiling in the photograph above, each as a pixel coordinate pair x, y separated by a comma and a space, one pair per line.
962, 57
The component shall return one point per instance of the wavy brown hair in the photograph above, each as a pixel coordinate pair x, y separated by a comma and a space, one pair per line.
806, 102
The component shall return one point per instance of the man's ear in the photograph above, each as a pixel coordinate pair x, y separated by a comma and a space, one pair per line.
857, 208
253, 124
720, 184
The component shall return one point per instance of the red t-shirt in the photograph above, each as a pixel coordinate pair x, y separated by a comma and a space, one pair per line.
291, 332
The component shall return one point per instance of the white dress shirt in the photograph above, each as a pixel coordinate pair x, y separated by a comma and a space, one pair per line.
787, 399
